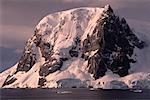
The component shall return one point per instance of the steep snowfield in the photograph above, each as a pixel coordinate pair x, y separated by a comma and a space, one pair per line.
60, 30
65, 26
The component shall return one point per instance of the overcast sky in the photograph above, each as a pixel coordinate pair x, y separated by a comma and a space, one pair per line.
19, 17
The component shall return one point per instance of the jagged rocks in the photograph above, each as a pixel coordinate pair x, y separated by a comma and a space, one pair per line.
9, 80
50, 66
28, 59
38, 38
92, 43
120, 64
96, 66
26, 62
46, 50
119, 45
115, 43
108, 9
73, 53
41, 82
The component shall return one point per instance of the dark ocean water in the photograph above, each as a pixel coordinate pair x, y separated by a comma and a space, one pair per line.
73, 94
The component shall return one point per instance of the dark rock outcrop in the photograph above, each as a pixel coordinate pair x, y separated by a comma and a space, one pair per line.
73, 53
26, 62
50, 66
46, 49
41, 82
115, 43
96, 66
9, 80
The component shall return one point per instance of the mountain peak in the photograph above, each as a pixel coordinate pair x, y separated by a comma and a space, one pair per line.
108, 8
78, 45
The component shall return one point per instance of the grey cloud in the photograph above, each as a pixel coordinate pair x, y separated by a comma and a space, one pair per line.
8, 57
14, 36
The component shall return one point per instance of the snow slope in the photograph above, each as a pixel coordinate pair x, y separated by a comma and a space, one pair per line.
52, 56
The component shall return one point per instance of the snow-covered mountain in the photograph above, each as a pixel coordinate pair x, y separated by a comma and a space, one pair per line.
82, 47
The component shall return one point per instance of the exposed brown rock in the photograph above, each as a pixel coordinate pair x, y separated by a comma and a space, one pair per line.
9, 80
115, 42
50, 66
41, 81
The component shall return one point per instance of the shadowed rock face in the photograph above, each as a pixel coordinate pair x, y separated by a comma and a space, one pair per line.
50, 66
114, 42
41, 82
9, 80
45, 50
26, 62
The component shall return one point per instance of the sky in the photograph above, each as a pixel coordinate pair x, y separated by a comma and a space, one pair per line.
18, 19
